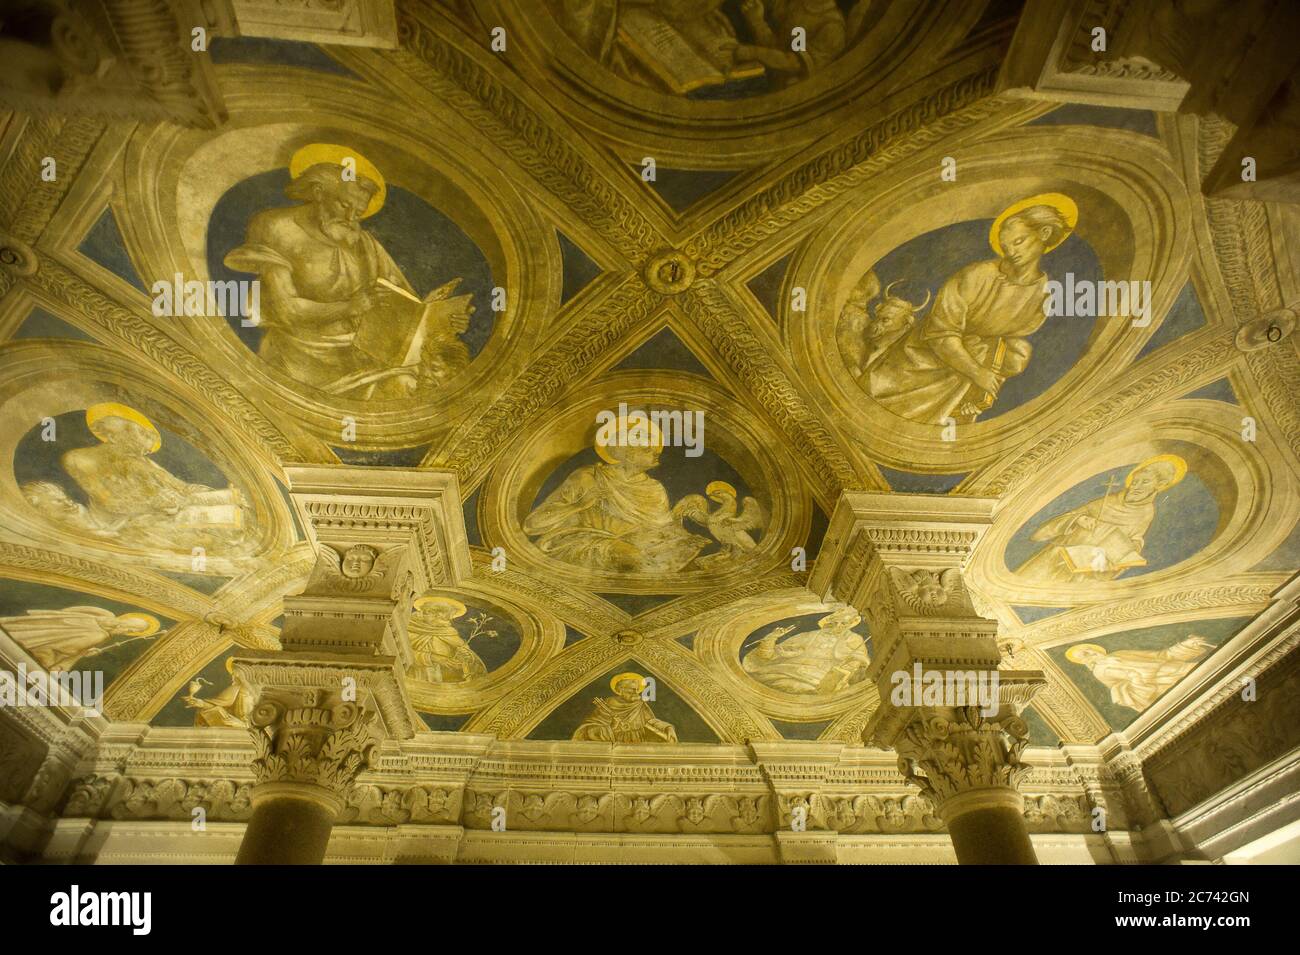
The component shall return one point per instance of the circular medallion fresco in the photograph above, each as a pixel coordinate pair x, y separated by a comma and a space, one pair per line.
466, 646
935, 320
656, 483
1150, 504
798, 660
122, 473
377, 273
761, 75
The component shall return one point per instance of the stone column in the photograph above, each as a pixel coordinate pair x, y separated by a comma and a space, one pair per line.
383, 536
952, 716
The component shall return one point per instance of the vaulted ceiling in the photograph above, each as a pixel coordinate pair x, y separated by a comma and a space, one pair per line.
665, 211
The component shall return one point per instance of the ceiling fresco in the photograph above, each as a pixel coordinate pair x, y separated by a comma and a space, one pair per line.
777, 274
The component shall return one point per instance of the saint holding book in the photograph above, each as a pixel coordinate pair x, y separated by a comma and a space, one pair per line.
337, 312
1104, 537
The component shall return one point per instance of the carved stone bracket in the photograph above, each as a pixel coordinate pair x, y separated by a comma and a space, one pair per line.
382, 536
899, 559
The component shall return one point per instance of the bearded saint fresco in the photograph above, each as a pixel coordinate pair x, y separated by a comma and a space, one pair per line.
613, 517
820, 662
336, 311
951, 362
1104, 537
1136, 678
134, 500
625, 717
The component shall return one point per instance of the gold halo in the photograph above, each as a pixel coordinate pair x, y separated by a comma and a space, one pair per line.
1072, 654
719, 486
110, 409
436, 601
316, 153
152, 627
656, 438
1180, 469
640, 681
1058, 201
230, 665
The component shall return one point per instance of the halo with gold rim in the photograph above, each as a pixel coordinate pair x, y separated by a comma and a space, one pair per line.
152, 625
719, 486
1072, 654
450, 602
315, 153
1060, 202
640, 681
1180, 469
111, 409
656, 439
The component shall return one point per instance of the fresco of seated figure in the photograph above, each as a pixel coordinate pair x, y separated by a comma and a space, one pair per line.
132, 499
337, 312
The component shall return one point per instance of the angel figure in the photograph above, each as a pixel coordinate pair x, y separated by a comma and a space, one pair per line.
355, 569
59, 638
925, 591
730, 529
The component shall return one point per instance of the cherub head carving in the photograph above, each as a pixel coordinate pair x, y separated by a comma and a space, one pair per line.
356, 568
358, 561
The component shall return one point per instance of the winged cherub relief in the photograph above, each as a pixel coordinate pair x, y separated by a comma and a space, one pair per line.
925, 591
356, 569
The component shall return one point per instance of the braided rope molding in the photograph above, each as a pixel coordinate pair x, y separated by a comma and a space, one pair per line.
562, 676
1250, 599
667, 620
679, 667
97, 308
272, 580
627, 308
1214, 353
1239, 231
82, 570
69, 143
131, 692
847, 728
961, 105
459, 81
586, 615
23, 166
734, 340
1277, 372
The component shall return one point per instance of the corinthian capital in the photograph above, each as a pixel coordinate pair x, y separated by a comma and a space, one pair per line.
949, 752
313, 738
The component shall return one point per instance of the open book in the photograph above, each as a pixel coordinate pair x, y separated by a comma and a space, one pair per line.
1090, 559
211, 509
397, 344
682, 63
